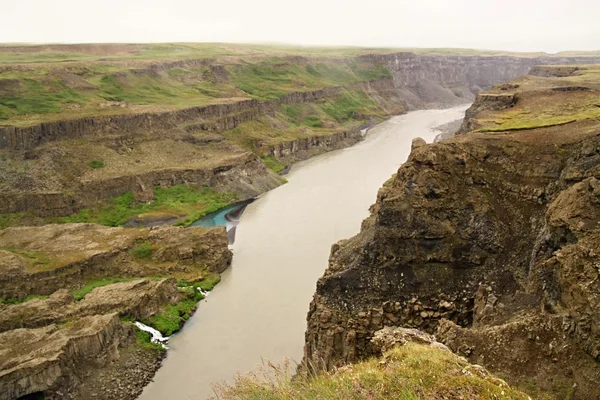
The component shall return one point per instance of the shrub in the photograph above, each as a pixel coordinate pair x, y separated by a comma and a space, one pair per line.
96, 164
142, 251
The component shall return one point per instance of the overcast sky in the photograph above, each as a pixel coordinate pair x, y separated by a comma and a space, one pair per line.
525, 25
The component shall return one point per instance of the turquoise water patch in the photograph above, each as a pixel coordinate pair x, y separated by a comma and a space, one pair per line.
218, 218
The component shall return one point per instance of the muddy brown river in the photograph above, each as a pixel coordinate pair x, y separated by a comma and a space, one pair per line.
282, 244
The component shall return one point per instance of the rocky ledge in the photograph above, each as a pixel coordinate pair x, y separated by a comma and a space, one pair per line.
70, 294
489, 239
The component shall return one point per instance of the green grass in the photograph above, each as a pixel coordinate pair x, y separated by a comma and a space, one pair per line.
371, 72
191, 202
96, 164
546, 115
11, 219
274, 77
291, 112
33, 257
209, 282
273, 164
142, 251
409, 372
38, 97
348, 105
170, 319
313, 121
80, 293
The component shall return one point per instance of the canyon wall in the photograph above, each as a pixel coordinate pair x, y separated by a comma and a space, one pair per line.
433, 81
488, 240
56, 187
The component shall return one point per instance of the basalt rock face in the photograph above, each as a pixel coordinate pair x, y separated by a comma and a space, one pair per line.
490, 241
432, 81
67, 345
243, 174
34, 360
41, 260
45, 167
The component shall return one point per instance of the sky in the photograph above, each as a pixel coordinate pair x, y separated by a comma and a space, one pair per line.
514, 25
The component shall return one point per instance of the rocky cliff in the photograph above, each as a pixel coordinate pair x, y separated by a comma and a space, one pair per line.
433, 81
70, 292
488, 239
286, 109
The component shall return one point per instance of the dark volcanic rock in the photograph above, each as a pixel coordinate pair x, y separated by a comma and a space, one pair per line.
490, 240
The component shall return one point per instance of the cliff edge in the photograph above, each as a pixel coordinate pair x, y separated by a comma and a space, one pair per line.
489, 240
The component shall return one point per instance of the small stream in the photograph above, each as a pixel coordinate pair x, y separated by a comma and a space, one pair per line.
281, 248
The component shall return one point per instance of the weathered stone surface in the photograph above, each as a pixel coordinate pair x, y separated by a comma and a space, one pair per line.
497, 235
57, 345
139, 299
33, 360
68, 255
387, 338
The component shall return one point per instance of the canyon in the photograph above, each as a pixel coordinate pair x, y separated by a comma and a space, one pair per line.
481, 235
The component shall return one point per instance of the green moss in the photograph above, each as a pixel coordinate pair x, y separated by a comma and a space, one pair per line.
390, 181
191, 201
142, 251
273, 164
80, 293
96, 164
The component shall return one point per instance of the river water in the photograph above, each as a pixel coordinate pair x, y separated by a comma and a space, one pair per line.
281, 248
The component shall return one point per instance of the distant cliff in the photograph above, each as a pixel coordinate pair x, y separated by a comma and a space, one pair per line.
207, 122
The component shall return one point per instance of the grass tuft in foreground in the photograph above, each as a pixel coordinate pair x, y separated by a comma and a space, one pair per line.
410, 372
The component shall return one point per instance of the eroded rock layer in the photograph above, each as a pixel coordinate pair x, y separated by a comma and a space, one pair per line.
489, 239
71, 292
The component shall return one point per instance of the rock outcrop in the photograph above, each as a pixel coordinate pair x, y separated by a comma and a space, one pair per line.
58, 336
489, 239
34, 360
41, 260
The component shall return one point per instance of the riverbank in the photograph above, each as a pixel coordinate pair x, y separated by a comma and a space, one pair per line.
281, 249
69, 295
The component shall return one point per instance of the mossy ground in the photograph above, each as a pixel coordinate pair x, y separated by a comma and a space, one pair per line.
190, 203
541, 103
409, 372
80, 293
172, 316
37, 92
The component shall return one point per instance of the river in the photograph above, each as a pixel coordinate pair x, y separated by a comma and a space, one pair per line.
281, 248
